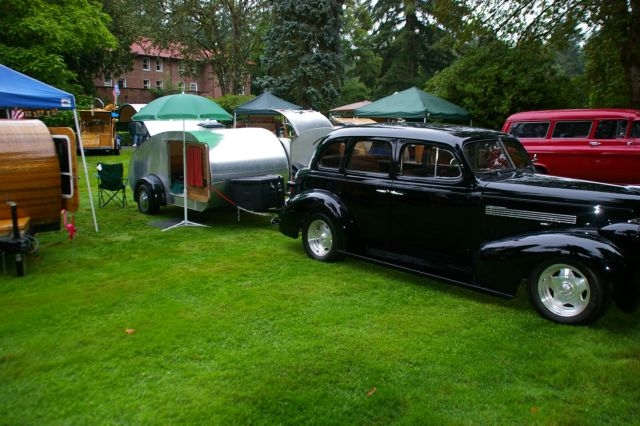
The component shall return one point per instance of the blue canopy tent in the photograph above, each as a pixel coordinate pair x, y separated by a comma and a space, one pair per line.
21, 91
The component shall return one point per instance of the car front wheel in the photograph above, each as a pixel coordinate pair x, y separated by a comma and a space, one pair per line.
320, 238
566, 292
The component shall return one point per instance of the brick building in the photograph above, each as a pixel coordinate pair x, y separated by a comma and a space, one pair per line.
155, 68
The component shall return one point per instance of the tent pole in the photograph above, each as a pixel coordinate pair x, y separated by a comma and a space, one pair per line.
86, 172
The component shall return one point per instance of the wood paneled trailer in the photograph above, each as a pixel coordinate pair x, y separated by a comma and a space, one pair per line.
38, 179
98, 127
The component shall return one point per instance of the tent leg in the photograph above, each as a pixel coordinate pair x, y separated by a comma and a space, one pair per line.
86, 172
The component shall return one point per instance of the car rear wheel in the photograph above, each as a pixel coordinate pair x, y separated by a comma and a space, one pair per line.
566, 292
320, 238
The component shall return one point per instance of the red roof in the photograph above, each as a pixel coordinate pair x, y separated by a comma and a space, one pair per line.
146, 47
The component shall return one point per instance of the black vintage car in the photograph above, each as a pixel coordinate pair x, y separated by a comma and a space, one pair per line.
465, 205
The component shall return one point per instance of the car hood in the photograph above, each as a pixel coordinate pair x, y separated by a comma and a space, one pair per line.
547, 188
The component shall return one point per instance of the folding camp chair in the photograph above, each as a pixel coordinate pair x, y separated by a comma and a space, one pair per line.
111, 186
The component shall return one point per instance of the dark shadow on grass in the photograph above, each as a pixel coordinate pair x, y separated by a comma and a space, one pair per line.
222, 217
520, 302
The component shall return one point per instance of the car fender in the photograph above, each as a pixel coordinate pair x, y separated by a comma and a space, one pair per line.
155, 184
299, 206
505, 263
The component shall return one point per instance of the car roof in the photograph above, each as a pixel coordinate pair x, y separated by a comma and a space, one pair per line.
451, 134
575, 114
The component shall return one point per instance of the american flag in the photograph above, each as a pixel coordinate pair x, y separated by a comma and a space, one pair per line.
17, 114
116, 92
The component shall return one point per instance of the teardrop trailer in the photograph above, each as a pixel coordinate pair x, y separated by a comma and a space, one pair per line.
244, 168
38, 175
98, 127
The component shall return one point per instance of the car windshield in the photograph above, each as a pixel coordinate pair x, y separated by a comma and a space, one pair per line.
496, 156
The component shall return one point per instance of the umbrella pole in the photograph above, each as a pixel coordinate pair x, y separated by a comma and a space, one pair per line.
185, 221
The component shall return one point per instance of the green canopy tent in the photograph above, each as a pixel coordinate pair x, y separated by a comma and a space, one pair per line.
413, 103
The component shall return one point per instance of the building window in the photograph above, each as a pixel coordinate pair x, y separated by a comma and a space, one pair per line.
159, 64
193, 87
146, 84
108, 83
159, 84
146, 64
122, 82
182, 69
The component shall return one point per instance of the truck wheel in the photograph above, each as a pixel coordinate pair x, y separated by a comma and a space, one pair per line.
567, 292
321, 238
147, 201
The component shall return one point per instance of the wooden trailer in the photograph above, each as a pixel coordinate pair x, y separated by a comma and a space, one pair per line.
38, 172
98, 127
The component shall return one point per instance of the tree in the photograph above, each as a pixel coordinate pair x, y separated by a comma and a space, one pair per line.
492, 80
361, 62
409, 39
56, 42
302, 59
224, 33
610, 23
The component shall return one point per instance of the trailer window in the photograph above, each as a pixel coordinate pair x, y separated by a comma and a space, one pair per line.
63, 151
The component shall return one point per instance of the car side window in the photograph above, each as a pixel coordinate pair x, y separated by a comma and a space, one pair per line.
571, 129
427, 160
529, 130
331, 156
611, 129
370, 155
635, 129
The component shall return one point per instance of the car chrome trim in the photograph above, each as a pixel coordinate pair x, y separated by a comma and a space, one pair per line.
531, 215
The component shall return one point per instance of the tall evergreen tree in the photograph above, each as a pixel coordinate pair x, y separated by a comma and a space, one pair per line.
302, 59
409, 39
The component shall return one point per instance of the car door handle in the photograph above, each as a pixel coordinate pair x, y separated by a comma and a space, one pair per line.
388, 191
594, 143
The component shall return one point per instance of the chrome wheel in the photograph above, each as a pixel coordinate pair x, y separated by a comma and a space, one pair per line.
320, 238
147, 202
143, 201
564, 290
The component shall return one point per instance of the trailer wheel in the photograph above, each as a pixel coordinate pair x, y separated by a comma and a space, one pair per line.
20, 266
147, 200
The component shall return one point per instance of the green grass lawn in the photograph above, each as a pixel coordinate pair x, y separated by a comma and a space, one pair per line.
233, 324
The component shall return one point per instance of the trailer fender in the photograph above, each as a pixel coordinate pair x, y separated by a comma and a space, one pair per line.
156, 189
505, 263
